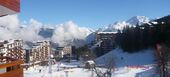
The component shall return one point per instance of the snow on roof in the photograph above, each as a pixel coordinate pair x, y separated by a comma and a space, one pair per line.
106, 32
154, 22
25, 46
35, 47
10, 41
162, 22
149, 23
1, 40
90, 62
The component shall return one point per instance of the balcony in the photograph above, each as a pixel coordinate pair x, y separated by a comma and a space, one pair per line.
10, 67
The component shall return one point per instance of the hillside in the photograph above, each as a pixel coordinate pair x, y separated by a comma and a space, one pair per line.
122, 59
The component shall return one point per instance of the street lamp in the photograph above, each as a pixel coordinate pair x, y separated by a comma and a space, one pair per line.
50, 63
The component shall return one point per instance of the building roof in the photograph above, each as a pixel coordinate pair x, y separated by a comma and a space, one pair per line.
9, 7
106, 32
90, 62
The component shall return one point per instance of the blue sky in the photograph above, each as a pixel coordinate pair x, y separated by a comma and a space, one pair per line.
91, 13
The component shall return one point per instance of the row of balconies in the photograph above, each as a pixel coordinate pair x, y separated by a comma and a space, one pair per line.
12, 44
39, 53
11, 67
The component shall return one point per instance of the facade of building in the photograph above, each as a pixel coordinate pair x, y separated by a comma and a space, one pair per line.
107, 42
11, 58
39, 52
12, 48
10, 61
66, 51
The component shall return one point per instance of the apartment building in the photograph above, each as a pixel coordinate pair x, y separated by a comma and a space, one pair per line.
11, 58
67, 51
12, 48
106, 40
39, 52
10, 63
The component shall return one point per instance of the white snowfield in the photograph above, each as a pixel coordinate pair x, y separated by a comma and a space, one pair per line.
70, 70
122, 59
80, 72
131, 65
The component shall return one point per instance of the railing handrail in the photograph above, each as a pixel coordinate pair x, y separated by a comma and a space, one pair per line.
13, 62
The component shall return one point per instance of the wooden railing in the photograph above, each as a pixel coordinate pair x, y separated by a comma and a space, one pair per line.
12, 66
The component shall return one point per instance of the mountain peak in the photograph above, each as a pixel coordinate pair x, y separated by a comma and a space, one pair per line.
121, 24
138, 20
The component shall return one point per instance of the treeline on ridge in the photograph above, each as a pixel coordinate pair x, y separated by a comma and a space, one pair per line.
132, 39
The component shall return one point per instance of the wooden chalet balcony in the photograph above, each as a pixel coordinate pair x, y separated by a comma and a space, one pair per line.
10, 67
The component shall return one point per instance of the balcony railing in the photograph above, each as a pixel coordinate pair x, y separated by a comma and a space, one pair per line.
10, 67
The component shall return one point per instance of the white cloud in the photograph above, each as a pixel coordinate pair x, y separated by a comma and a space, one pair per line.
11, 22
12, 28
69, 31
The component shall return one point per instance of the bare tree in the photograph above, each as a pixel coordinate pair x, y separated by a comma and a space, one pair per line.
105, 70
163, 55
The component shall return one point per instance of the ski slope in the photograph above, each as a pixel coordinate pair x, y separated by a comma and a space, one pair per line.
122, 59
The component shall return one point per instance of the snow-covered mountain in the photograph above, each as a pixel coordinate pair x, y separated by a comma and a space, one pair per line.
138, 20
90, 38
70, 34
46, 32
67, 33
119, 26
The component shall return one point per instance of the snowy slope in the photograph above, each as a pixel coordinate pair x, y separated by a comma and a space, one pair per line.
121, 24
132, 65
122, 59
118, 26
138, 20
90, 38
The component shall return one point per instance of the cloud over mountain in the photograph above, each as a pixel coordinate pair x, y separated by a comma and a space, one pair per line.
12, 28
67, 33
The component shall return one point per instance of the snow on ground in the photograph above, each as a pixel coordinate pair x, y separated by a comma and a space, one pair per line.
127, 72
74, 72
127, 65
122, 59
130, 71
